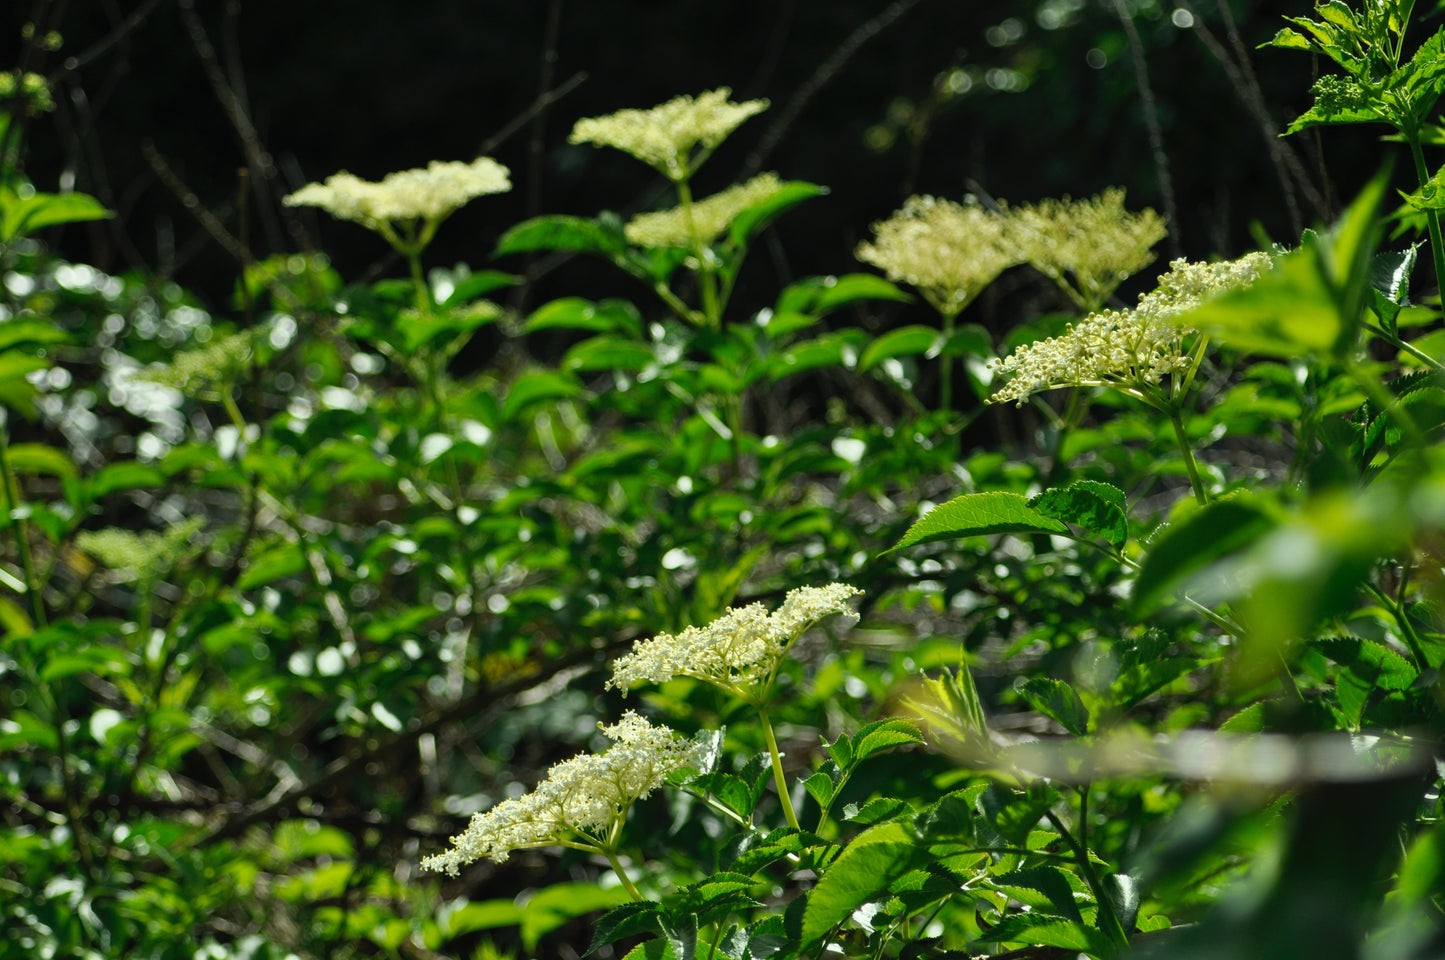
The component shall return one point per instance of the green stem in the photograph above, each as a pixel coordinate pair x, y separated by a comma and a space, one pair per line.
418, 280
1190, 464
779, 779
1108, 919
707, 276
1407, 631
1405, 347
622, 875
21, 528
1432, 217
945, 369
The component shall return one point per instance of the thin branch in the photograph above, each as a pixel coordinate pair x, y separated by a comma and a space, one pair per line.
121, 30
821, 77
1151, 121
539, 105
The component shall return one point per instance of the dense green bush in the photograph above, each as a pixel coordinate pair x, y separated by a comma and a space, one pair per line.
1155, 669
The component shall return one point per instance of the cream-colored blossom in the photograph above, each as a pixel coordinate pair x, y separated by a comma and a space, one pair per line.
949, 251
140, 556
665, 136
738, 651
1130, 349
1087, 247
215, 362
582, 799
705, 220
431, 193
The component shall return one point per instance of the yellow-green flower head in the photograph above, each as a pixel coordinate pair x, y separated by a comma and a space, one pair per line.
429, 194
26, 93
665, 136
1127, 348
1096, 242
582, 799
949, 251
705, 220
140, 556
740, 650
214, 363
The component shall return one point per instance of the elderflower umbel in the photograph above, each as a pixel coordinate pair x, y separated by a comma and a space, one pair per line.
664, 136
949, 251
1130, 349
582, 801
1087, 247
740, 650
705, 219
140, 556
429, 194
216, 362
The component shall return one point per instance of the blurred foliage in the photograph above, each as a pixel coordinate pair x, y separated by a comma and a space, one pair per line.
299, 571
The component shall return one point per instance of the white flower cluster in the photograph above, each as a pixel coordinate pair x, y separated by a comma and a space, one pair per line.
140, 556
214, 363
581, 799
1126, 348
1087, 247
949, 251
705, 220
664, 136
737, 651
429, 194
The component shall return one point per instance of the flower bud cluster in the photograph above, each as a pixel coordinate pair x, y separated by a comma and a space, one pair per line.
429, 194
738, 651
1127, 348
665, 136
704, 220
580, 800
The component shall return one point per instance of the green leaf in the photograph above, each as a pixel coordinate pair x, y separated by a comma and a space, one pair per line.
559, 903
39, 458
561, 232
863, 871
279, 563
650, 950
1186, 549
876, 810
755, 219
1058, 700
20, 216
13, 332
609, 353
15, 364
881, 735
456, 920
905, 341
1287, 39
625, 920
128, 475
979, 514
479, 284
820, 787
531, 388
1027, 929
417, 332
1097, 507
1049, 881
575, 313
817, 296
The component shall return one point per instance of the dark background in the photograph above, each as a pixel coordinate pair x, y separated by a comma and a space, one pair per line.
373, 86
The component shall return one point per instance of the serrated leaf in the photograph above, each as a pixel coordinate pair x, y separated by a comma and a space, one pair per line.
818, 296
1058, 700
1048, 881
1097, 507
479, 284
881, 735
1049, 932
876, 810
608, 353
979, 514
25, 215
820, 787
625, 920
905, 341
862, 872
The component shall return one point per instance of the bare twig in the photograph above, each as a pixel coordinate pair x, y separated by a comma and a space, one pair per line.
1151, 120
821, 77
121, 30
208, 220
538, 106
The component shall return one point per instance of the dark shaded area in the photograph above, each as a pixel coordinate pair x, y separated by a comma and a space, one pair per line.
373, 86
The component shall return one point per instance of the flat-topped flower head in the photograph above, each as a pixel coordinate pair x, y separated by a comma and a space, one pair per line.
740, 651
949, 251
215, 363
582, 800
1087, 247
665, 136
1129, 349
428, 194
703, 221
